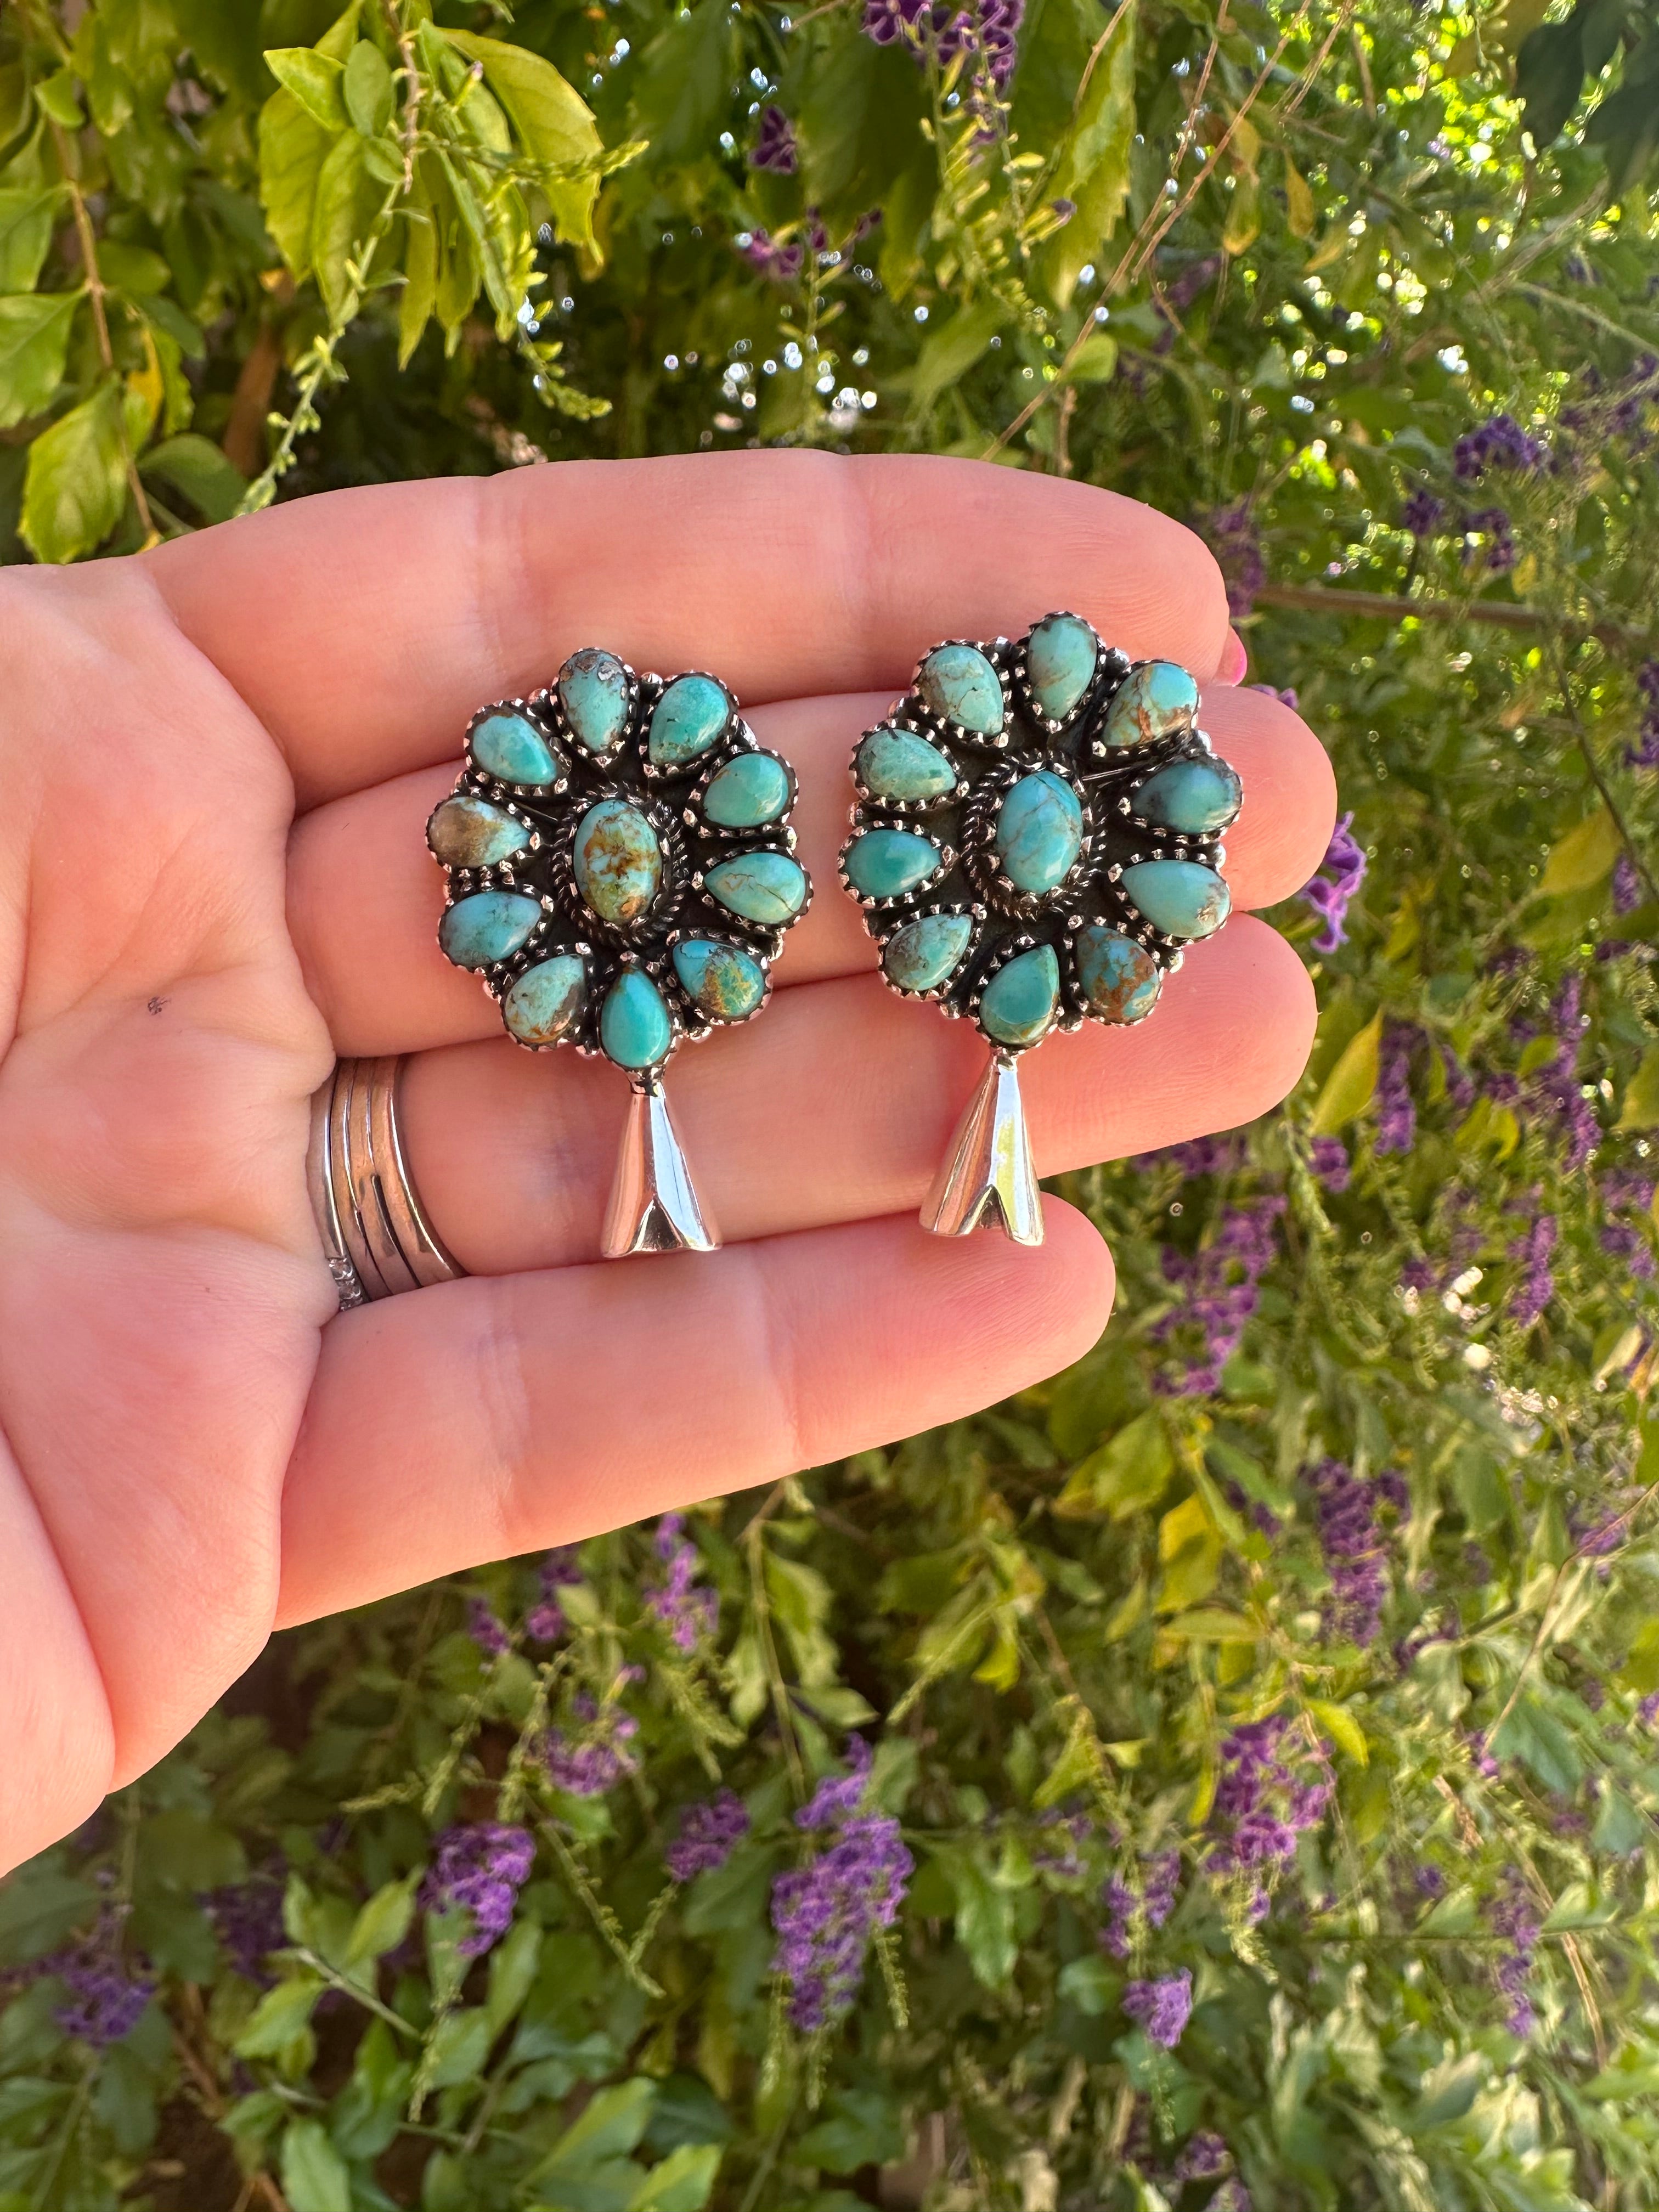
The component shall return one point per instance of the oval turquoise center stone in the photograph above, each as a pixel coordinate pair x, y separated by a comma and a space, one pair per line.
1195, 796
514, 750
465, 832
1060, 665
635, 1028
487, 927
769, 888
885, 864
958, 683
1039, 831
545, 1002
919, 957
1154, 700
748, 792
690, 716
1121, 980
1022, 999
593, 689
898, 764
727, 983
617, 860
1181, 897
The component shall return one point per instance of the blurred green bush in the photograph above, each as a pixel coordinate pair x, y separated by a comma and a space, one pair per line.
1293, 1659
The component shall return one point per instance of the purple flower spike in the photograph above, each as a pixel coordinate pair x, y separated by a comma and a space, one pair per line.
1346, 1509
687, 1609
1328, 1158
1536, 1286
710, 1832
1396, 1115
1221, 1285
774, 144
1330, 893
1163, 2007
481, 1867
105, 1991
1422, 513
485, 1630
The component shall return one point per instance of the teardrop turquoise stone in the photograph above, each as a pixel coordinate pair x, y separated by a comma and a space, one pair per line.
919, 956
617, 860
1060, 664
486, 927
512, 750
1181, 897
1193, 796
593, 689
748, 792
727, 983
769, 888
959, 685
636, 1030
1155, 699
886, 863
1121, 980
898, 764
1022, 999
465, 832
690, 716
1039, 831
545, 1001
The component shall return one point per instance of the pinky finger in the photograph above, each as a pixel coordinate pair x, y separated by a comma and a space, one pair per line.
497, 1415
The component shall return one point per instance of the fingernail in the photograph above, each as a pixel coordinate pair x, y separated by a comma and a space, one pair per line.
1235, 659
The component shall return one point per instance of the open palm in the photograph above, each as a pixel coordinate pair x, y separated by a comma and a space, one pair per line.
218, 761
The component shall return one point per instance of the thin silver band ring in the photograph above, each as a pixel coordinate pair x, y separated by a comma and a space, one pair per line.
375, 1232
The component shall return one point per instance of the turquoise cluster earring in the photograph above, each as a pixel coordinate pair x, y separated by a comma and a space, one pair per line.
1036, 835
621, 873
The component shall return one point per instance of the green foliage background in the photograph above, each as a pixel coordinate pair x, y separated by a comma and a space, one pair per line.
250, 249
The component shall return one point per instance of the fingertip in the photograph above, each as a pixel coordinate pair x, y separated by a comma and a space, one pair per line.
1235, 659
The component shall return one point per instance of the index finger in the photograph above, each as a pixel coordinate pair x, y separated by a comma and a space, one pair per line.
364, 627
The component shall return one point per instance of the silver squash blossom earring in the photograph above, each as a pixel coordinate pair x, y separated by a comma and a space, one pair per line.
1035, 840
620, 874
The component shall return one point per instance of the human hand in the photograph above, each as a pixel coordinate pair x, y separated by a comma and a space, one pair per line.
218, 759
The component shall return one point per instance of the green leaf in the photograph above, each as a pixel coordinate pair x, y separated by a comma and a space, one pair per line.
195, 467
278, 2017
948, 354
513, 1966
610, 2128
554, 124
76, 485
1350, 1085
341, 220
461, 2045
25, 222
1582, 858
1094, 169
313, 80
682, 2182
1343, 1729
365, 84
858, 125
293, 147
1126, 1475
55, 95
382, 1923
34, 335
1095, 361
315, 2175
1641, 1107
861, 2127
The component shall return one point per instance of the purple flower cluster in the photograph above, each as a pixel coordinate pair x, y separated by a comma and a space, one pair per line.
544, 1623
105, 1991
485, 1629
1493, 524
1203, 2157
826, 1913
1328, 1158
1162, 2006
1603, 411
1330, 893
247, 1919
1624, 1191
1264, 1804
1237, 544
1348, 1536
1396, 1115
774, 145
781, 263
710, 1832
1222, 1281
1071, 1830
1500, 445
1555, 1087
1644, 753
1535, 1286
989, 28
1160, 1877
598, 1762
687, 1609
1422, 513
1514, 1918
1199, 1156
481, 1867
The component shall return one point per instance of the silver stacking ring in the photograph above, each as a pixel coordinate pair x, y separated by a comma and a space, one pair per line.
374, 1230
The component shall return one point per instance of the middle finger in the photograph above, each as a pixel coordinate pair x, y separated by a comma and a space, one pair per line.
364, 895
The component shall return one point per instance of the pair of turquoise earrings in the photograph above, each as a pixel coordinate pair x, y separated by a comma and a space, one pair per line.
1035, 837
